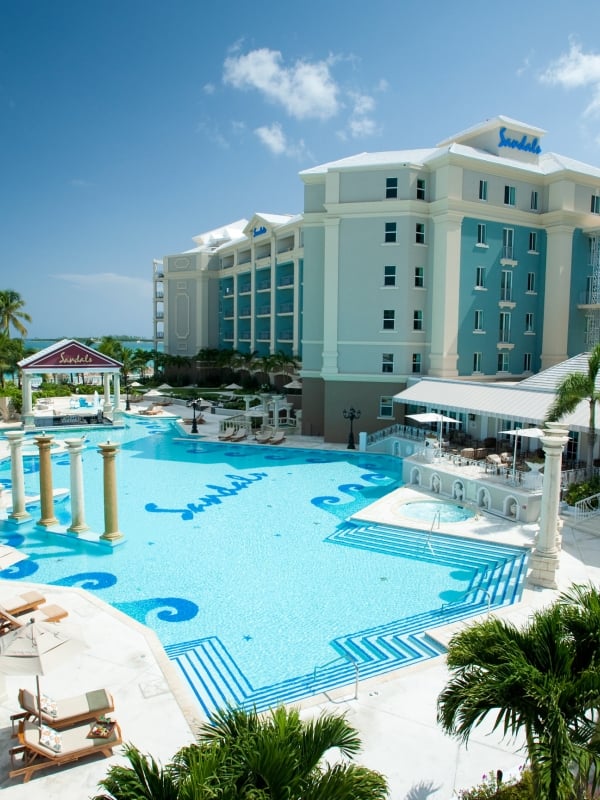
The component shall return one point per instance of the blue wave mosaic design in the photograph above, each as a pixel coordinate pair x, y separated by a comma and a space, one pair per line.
172, 609
24, 569
88, 580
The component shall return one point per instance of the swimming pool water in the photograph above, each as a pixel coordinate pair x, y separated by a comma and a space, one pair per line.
231, 541
428, 511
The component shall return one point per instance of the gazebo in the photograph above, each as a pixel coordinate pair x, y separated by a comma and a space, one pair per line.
69, 356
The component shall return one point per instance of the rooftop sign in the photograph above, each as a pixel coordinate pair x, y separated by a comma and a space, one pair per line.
525, 144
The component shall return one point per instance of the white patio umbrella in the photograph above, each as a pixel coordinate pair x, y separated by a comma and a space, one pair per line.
152, 393
10, 556
37, 648
432, 416
527, 433
293, 385
164, 387
233, 386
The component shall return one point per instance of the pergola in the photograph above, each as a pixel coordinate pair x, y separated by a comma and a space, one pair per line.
69, 356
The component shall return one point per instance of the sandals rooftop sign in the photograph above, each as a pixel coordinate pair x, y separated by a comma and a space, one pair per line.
524, 143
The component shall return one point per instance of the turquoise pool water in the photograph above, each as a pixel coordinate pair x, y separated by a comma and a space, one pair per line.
235, 543
428, 511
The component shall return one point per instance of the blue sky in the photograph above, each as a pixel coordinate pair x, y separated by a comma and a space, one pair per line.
129, 126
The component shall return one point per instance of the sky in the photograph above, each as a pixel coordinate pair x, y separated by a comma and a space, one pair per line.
129, 126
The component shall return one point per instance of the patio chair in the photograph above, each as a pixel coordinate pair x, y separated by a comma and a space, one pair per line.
47, 613
45, 747
22, 603
240, 434
277, 437
263, 438
226, 434
66, 712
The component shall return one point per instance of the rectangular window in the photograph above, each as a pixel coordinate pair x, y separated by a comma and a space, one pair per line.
420, 189
478, 322
480, 278
389, 275
529, 322
595, 204
386, 406
419, 277
508, 239
389, 319
417, 320
387, 362
481, 234
504, 327
526, 362
390, 232
483, 190
502, 362
510, 195
476, 362
391, 187
416, 363
533, 241
534, 201
420, 233
531, 281
506, 286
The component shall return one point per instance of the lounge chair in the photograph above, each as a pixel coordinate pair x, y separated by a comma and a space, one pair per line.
240, 434
263, 438
22, 603
66, 712
38, 749
277, 437
47, 613
226, 434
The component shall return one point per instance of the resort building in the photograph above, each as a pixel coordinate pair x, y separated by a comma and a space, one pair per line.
474, 260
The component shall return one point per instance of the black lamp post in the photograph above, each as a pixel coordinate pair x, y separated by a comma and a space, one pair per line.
351, 414
195, 406
127, 403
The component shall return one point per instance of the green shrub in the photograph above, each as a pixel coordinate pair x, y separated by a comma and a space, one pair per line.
579, 491
493, 787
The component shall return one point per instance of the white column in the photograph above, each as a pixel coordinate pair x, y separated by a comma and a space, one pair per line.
444, 323
117, 390
27, 401
107, 408
75, 448
109, 450
331, 297
559, 249
17, 477
545, 555
296, 317
44, 443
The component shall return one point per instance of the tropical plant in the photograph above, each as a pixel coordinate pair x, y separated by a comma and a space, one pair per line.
575, 388
542, 681
11, 313
242, 755
11, 352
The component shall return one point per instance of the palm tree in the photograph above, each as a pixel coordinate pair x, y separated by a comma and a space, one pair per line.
574, 389
241, 755
11, 312
542, 681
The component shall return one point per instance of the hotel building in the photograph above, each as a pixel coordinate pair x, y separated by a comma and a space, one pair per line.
476, 259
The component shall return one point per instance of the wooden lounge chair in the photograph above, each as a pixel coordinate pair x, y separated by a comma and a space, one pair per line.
38, 749
226, 434
66, 712
240, 434
47, 613
22, 603
277, 437
263, 438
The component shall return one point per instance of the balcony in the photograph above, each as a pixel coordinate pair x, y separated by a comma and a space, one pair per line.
245, 289
285, 282
589, 299
263, 311
286, 308
263, 286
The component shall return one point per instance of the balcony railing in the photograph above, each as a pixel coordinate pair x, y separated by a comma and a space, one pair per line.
508, 251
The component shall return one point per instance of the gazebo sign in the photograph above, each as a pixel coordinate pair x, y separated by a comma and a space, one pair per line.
68, 355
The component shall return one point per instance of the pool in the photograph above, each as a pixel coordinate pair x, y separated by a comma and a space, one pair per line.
241, 559
430, 511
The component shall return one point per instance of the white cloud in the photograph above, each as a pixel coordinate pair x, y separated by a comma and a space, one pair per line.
275, 140
209, 88
574, 70
119, 286
305, 90
360, 122
213, 133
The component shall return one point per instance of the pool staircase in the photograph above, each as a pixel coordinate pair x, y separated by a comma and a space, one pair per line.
498, 576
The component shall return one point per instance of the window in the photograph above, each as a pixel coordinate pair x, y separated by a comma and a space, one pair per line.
476, 362
506, 286
483, 190
478, 322
534, 201
420, 189
391, 187
531, 282
595, 204
508, 238
416, 363
387, 362
533, 241
502, 362
529, 322
389, 319
504, 327
526, 362
386, 406
420, 277
389, 275
390, 231
510, 195
481, 235
420, 233
480, 278
417, 320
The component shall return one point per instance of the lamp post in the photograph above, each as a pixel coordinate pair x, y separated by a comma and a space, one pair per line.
127, 390
351, 415
195, 406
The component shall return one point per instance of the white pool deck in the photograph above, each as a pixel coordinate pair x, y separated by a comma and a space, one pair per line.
395, 714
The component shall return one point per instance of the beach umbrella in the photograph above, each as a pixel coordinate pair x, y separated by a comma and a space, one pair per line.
293, 385
233, 387
164, 387
432, 416
152, 393
527, 433
37, 648
10, 556
135, 385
